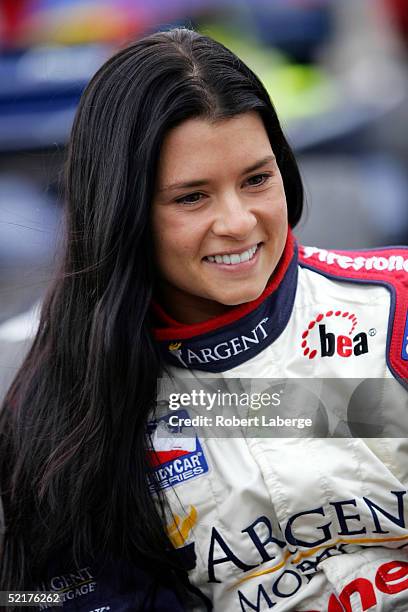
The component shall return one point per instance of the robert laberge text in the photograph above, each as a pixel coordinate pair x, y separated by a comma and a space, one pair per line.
236, 421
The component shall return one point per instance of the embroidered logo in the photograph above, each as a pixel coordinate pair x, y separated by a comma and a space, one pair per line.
391, 578
73, 585
179, 529
176, 456
175, 349
393, 263
331, 343
226, 349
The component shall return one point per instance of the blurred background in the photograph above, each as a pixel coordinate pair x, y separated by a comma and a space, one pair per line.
337, 72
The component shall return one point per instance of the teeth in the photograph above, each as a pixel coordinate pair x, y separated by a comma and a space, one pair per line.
235, 258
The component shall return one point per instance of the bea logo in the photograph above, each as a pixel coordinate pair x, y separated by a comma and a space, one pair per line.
342, 344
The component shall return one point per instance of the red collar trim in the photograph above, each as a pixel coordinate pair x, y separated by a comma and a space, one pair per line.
174, 329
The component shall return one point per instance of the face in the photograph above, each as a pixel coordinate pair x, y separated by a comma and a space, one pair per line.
219, 215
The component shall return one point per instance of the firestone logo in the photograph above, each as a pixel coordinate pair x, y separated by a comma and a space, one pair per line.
391, 263
330, 344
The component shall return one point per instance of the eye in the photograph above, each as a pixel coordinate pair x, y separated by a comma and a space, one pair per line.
258, 179
190, 199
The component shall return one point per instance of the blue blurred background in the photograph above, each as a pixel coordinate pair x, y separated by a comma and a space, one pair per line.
336, 71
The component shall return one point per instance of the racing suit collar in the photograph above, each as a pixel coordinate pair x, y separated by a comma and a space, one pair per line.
225, 341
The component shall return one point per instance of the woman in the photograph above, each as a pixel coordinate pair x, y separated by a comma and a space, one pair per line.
180, 191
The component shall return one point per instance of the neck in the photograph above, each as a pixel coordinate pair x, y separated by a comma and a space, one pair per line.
186, 308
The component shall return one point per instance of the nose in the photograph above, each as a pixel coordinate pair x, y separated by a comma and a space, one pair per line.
234, 217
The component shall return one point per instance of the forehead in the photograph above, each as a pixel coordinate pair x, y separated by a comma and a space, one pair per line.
200, 146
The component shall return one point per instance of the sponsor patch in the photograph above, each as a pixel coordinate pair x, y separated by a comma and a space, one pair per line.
176, 456
391, 578
73, 585
328, 342
189, 356
386, 267
378, 263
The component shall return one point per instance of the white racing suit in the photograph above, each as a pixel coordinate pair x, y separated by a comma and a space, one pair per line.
318, 522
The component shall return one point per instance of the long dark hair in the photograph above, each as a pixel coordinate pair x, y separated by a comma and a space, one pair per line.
73, 426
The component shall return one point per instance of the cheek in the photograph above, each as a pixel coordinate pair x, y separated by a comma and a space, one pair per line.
176, 240
283, 217
277, 217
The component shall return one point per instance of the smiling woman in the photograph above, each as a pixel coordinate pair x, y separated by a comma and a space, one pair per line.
179, 259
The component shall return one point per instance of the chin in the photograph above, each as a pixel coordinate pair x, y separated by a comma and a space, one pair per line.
241, 298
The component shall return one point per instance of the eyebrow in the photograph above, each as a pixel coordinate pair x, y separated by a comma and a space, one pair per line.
201, 182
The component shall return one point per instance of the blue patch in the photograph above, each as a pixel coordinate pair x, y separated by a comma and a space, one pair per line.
178, 455
404, 353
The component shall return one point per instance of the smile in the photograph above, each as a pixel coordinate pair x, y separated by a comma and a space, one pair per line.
233, 258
